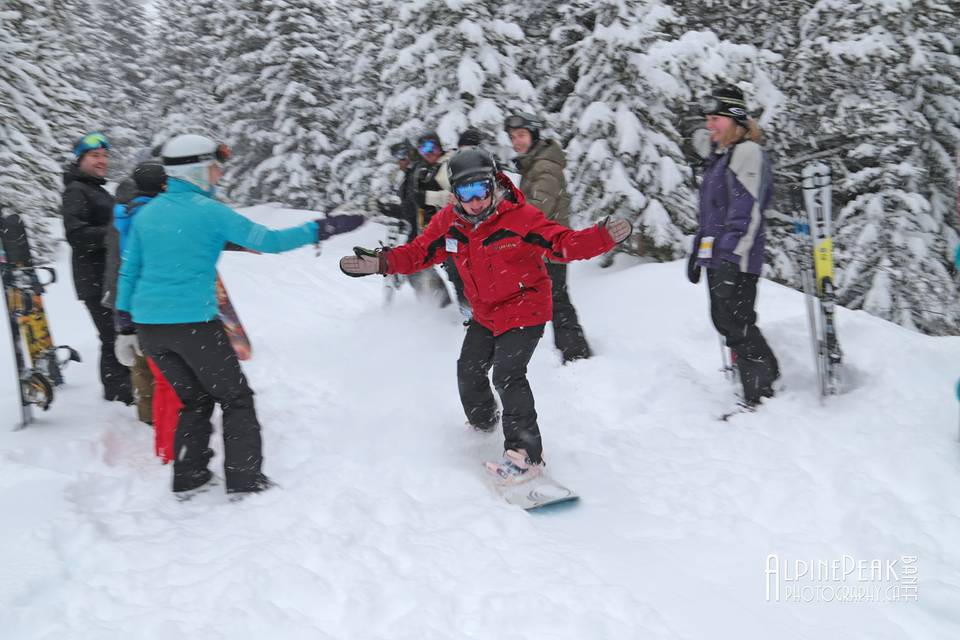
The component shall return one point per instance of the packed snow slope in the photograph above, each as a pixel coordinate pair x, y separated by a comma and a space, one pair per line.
384, 527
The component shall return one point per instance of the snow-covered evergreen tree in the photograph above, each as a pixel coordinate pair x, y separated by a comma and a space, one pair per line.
186, 63
450, 65
359, 167
121, 90
544, 57
298, 82
871, 65
625, 158
41, 114
244, 109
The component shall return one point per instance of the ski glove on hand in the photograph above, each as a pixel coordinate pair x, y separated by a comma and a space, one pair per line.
364, 262
693, 269
127, 348
332, 225
618, 228
726, 281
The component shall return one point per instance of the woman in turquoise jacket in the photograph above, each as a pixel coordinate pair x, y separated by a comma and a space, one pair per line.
167, 290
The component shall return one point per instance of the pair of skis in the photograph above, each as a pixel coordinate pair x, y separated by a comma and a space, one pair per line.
817, 275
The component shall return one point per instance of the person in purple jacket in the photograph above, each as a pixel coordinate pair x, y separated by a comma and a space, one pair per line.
729, 244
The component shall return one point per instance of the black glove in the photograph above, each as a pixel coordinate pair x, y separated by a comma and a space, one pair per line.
726, 279
693, 269
333, 225
427, 178
123, 323
389, 209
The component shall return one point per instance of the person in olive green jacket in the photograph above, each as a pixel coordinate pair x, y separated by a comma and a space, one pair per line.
540, 163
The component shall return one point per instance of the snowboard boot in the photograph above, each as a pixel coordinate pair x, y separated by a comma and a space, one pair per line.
186, 488
743, 406
260, 484
489, 427
514, 467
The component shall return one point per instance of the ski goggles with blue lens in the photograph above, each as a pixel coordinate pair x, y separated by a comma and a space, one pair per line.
477, 190
428, 146
91, 141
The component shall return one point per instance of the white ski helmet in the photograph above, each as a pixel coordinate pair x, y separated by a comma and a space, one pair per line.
188, 157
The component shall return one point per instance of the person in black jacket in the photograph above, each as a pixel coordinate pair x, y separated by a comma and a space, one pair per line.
87, 210
421, 196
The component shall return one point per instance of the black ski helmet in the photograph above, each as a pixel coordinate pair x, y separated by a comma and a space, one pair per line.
471, 165
523, 120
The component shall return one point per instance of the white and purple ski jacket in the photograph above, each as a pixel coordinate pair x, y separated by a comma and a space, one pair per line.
736, 188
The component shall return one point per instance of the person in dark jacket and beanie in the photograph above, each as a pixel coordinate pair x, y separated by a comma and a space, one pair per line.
421, 196
148, 180
497, 241
540, 163
87, 209
735, 189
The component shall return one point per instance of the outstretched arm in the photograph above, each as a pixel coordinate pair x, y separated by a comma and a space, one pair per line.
246, 233
564, 244
426, 250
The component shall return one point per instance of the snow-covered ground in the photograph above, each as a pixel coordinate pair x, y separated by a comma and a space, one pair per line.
383, 526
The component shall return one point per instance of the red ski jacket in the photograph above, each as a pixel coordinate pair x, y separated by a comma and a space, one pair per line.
501, 259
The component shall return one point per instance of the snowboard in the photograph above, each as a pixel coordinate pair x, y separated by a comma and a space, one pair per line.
538, 494
23, 294
231, 322
45, 357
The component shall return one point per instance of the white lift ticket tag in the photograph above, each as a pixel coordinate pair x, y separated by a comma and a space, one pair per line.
451, 245
706, 248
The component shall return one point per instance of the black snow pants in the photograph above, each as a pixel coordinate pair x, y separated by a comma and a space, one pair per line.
567, 333
201, 365
736, 319
508, 354
114, 376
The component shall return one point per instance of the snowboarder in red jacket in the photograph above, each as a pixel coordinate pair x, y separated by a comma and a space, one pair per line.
497, 242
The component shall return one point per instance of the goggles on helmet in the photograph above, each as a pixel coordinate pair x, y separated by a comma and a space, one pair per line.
522, 121
427, 146
476, 190
91, 141
220, 154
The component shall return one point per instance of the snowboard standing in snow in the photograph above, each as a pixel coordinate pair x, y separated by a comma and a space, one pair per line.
231, 323
818, 281
23, 289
